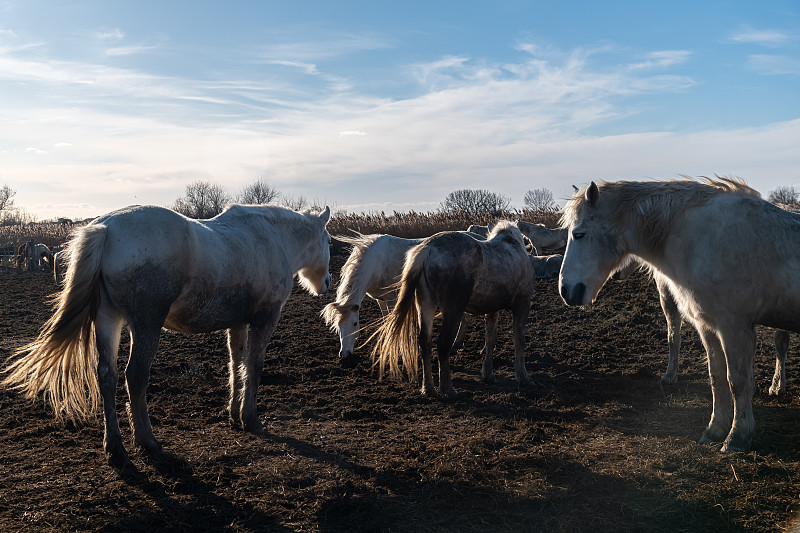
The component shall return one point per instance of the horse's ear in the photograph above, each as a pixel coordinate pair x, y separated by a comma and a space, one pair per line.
592, 194
575, 188
325, 216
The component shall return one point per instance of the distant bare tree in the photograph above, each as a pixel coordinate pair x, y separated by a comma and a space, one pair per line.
475, 202
783, 195
258, 192
6, 198
296, 203
539, 200
203, 199
7, 211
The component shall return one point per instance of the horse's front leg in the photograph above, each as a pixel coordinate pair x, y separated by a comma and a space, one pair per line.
674, 320
520, 317
237, 348
722, 404
739, 343
261, 331
487, 370
781, 349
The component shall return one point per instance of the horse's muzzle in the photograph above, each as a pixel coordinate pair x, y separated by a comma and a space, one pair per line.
326, 284
573, 295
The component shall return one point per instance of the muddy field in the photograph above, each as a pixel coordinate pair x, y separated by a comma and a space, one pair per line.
596, 445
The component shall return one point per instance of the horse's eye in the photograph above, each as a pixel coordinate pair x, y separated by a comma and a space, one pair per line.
576, 235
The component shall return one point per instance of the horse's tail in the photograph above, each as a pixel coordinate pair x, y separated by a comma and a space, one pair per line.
398, 337
62, 361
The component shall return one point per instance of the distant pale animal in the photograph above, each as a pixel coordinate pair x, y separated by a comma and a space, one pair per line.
454, 272
151, 267
539, 235
729, 259
546, 266
674, 321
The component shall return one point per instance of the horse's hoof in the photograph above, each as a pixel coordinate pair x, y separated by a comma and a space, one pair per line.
491, 378
121, 461
525, 383
776, 390
709, 437
428, 392
669, 379
736, 443
152, 447
256, 428
449, 394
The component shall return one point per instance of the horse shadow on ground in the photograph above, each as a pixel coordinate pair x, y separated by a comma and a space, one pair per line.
202, 510
399, 502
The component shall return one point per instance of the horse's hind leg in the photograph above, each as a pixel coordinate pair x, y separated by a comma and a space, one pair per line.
426, 313
237, 347
145, 333
674, 319
520, 317
781, 349
261, 330
487, 370
108, 326
447, 334
466, 322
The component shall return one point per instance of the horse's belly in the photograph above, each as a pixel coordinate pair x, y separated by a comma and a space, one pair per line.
205, 311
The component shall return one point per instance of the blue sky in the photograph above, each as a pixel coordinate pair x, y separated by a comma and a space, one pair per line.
371, 106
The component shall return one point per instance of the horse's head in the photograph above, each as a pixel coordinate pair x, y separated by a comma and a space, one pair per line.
593, 247
315, 275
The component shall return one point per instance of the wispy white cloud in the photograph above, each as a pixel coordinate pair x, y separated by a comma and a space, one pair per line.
764, 37
773, 64
129, 50
662, 59
115, 34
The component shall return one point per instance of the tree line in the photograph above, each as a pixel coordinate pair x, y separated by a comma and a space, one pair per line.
205, 199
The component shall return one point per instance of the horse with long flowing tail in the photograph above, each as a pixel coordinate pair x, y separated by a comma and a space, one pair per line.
455, 273
151, 267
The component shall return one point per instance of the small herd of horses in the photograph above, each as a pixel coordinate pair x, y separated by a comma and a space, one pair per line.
722, 258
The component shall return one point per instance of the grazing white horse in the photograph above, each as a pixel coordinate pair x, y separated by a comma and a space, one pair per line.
40, 253
674, 321
729, 259
539, 235
372, 269
152, 267
543, 237
546, 266
455, 273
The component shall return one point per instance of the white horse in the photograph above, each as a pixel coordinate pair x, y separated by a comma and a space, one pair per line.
539, 235
729, 259
543, 237
153, 268
674, 321
372, 269
457, 273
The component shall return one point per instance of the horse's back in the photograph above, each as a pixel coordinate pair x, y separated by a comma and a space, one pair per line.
739, 252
